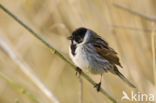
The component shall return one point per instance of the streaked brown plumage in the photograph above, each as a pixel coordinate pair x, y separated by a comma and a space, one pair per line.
106, 52
89, 51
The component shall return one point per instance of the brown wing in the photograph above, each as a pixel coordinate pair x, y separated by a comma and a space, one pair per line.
103, 49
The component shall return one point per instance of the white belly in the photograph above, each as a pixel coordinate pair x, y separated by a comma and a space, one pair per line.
88, 61
80, 59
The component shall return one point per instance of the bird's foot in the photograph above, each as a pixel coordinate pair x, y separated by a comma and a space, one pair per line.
78, 71
98, 86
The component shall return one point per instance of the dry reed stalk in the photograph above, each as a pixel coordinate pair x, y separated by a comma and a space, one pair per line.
19, 88
27, 71
153, 53
36, 35
81, 90
132, 28
135, 12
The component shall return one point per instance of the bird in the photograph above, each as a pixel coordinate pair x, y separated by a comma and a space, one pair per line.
91, 53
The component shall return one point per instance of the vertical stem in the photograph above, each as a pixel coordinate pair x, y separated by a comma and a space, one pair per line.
81, 90
153, 52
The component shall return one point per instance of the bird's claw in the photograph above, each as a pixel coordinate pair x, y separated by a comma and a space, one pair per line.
98, 86
78, 71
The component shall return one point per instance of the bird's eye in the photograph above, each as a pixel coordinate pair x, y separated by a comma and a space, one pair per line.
80, 40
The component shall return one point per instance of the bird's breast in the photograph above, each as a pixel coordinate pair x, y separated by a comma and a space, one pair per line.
88, 60
80, 58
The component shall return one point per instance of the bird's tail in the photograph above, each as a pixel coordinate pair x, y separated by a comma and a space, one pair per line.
123, 77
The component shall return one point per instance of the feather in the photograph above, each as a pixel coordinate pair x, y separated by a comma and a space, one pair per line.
103, 49
116, 71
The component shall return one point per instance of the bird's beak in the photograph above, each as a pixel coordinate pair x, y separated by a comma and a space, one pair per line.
70, 37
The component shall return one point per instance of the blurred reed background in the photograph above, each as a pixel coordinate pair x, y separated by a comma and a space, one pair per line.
129, 33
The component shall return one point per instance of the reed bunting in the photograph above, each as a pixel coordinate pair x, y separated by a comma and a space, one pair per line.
92, 53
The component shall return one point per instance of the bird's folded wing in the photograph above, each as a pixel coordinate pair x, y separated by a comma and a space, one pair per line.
103, 49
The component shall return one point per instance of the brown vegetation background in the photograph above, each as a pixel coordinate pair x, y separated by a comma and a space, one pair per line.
127, 32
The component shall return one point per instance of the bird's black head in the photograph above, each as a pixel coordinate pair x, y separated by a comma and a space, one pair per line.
78, 35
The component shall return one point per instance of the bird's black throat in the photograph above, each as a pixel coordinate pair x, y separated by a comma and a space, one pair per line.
73, 48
